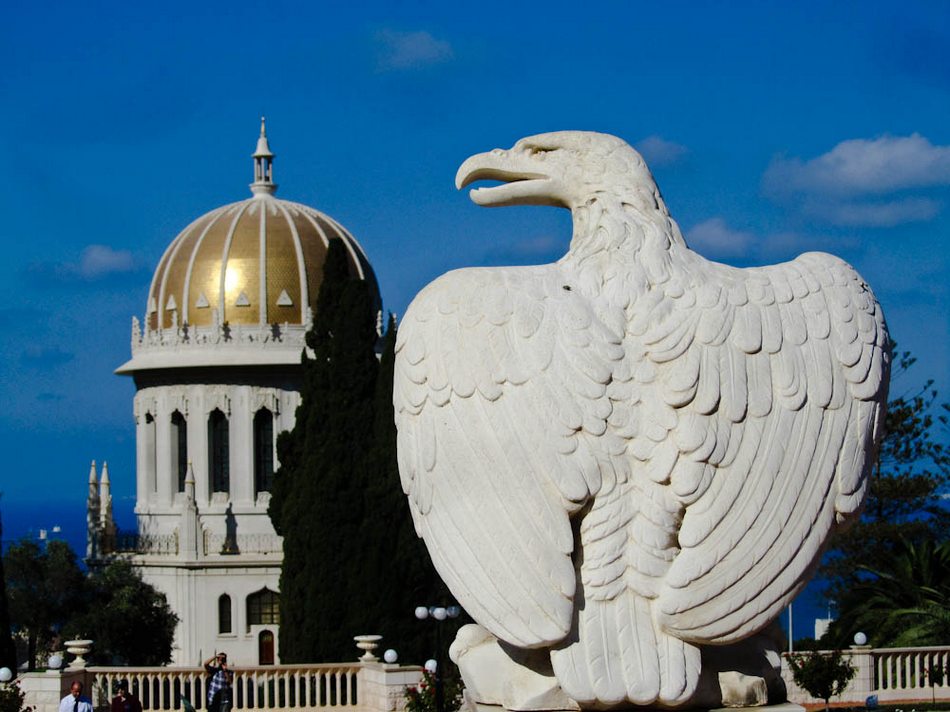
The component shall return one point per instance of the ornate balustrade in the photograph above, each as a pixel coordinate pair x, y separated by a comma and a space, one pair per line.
283, 687
892, 674
136, 543
242, 543
185, 336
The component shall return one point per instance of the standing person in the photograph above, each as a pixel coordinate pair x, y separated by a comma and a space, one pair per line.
219, 687
125, 701
74, 701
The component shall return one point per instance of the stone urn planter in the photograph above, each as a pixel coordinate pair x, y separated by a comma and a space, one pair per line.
79, 648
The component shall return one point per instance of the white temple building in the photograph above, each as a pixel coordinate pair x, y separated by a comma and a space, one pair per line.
216, 365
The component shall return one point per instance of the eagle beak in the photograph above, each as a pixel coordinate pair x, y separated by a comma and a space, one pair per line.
522, 182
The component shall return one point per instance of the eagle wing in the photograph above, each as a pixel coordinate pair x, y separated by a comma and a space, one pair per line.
778, 377
498, 374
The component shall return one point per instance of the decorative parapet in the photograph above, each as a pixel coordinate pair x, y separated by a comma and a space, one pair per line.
242, 544
137, 543
187, 336
331, 687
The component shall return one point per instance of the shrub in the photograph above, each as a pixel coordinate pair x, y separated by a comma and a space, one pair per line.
423, 699
822, 675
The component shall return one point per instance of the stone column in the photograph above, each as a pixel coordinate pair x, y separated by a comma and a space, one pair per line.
142, 488
198, 446
242, 446
165, 480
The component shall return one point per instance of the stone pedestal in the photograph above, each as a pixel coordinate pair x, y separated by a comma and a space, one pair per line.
862, 685
43, 690
383, 686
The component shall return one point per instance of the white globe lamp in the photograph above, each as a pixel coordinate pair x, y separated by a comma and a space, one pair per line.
860, 638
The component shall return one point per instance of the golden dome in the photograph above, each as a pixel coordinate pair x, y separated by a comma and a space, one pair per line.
255, 262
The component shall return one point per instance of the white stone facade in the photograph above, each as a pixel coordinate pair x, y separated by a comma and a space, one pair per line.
183, 533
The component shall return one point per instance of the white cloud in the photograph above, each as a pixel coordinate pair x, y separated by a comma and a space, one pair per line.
409, 50
714, 238
101, 260
95, 264
657, 151
863, 167
874, 214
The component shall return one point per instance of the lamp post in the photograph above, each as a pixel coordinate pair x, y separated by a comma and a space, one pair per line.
439, 614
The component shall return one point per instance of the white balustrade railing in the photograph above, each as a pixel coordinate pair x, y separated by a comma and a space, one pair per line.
280, 687
242, 543
902, 670
891, 674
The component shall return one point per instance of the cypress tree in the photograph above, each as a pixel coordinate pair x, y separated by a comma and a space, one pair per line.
352, 561
317, 502
7, 646
403, 574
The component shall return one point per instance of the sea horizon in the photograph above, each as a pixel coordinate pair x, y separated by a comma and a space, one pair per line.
63, 520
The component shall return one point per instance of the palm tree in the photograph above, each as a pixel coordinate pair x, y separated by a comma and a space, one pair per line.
904, 601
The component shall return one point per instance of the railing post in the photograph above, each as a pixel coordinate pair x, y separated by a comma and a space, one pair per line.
381, 687
862, 686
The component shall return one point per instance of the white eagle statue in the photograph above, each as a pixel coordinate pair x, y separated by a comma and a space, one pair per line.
624, 458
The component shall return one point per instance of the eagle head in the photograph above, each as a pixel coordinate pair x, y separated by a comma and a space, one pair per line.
563, 169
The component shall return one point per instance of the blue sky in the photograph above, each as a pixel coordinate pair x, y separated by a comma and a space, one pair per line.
771, 128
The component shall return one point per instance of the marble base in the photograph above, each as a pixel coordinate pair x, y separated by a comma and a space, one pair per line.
471, 706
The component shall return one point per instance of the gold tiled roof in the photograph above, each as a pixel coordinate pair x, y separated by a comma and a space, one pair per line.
259, 261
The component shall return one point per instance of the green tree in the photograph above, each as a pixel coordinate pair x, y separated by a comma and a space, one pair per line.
352, 561
45, 587
404, 575
905, 601
317, 500
130, 621
904, 498
12, 698
7, 646
821, 675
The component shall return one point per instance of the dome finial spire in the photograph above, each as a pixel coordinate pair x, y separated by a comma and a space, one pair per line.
263, 165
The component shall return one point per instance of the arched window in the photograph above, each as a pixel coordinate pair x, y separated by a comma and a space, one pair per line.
179, 443
263, 450
263, 608
224, 613
218, 465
